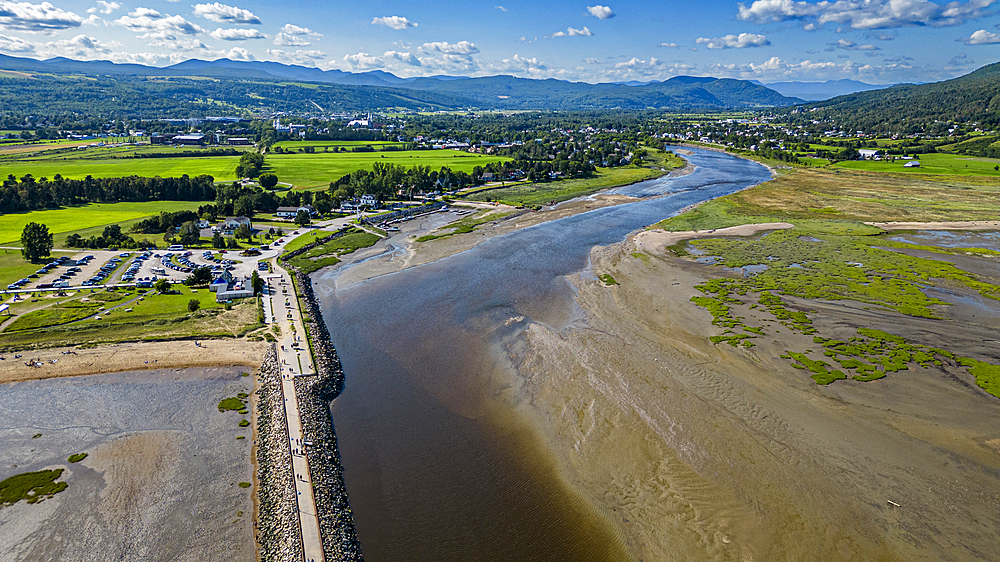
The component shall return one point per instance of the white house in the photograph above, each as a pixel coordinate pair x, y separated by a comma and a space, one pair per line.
369, 200
232, 223
291, 212
202, 223
912, 164
870, 154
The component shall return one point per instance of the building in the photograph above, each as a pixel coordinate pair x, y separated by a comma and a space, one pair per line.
232, 223
870, 154
369, 200
292, 212
238, 141
189, 139
202, 223
912, 164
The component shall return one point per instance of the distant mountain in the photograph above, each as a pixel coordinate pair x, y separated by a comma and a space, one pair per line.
818, 91
909, 108
387, 90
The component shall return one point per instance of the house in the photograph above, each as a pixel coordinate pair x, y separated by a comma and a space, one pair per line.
202, 223
292, 212
870, 154
912, 164
488, 177
369, 200
235, 290
232, 223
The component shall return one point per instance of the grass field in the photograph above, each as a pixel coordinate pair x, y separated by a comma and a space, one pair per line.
70, 321
222, 168
89, 219
320, 145
329, 253
532, 194
951, 164
13, 266
318, 170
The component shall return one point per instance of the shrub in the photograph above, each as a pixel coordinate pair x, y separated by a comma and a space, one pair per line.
77, 457
193, 305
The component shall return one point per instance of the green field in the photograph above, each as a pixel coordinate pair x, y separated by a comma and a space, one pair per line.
330, 252
951, 164
532, 194
222, 168
85, 219
318, 170
295, 145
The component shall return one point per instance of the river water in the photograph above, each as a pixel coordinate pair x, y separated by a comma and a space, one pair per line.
437, 466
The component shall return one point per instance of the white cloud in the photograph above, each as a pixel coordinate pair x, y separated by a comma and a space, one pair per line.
571, 32
79, 47
601, 12
295, 36
14, 45
405, 58
866, 14
668, 45
848, 45
982, 37
105, 7
395, 22
154, 25
225, 14
463, 48
237, 34
501, 8
36, 18
741, 41
299, 57
592, 60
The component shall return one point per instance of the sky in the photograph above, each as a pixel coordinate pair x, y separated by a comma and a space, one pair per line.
874, 41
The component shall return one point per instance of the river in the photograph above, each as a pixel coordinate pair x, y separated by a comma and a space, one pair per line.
437, 466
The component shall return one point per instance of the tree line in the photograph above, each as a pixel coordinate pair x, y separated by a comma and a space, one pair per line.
29, 194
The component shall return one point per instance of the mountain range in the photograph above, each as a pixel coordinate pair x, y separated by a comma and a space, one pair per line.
818, 91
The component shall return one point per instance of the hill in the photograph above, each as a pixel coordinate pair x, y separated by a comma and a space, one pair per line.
818, 91
908, 108
196, 87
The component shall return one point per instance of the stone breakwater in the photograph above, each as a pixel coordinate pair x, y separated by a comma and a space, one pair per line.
278, 533
314, 394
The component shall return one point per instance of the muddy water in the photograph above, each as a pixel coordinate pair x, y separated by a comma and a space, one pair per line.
436, 464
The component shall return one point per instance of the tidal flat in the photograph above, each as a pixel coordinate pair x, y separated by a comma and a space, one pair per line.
161, 477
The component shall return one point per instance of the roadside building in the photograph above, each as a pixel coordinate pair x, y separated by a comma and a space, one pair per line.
189, 139
238, 141
232, 223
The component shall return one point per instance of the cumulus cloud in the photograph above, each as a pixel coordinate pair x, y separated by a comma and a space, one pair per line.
14, 45
668, 45
154, 25
592, 60
731, 41
405, 58
237, 34
601, 12
520, 65
225, 14
36, 18
571, 32
866, 14
79, 47
848, 45
295, 36
982, 37
462, 48
395, 22
299, 57
105, 7
438, 57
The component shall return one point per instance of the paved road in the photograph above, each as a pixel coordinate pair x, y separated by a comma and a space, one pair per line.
281, 308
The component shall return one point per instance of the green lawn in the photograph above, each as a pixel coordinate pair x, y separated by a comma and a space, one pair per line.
85, 219
529, 195
319, 169
320, 145
13, 266
79, 166
951, 164
329, 253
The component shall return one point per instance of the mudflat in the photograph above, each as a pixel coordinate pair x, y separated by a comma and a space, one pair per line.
162, 472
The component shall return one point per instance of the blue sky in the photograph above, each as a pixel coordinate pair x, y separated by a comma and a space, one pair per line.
876, 41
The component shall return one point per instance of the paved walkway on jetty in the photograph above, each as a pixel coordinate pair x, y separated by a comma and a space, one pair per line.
281, 307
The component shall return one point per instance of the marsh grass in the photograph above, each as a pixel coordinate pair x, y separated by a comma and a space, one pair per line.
32, 487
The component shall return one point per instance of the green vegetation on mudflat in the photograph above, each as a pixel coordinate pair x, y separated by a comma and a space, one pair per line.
317, 170
231, 403
77, 457
330, 252
85, 219
31, 486
535, 194
607, 279
465, 225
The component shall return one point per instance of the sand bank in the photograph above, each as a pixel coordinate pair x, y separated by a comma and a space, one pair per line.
653, 241
112, 358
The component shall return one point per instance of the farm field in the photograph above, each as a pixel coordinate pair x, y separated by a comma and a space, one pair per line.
318, 170
295, 145
953, 164
85, 219
222, 168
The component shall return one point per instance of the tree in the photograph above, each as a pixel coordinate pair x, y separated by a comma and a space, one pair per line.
243, 231
200, 276
302, 217
162, 286
189, 234
36, 241
268, 181
243, 206
193, 305
217, 240
232, 243
257, 283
